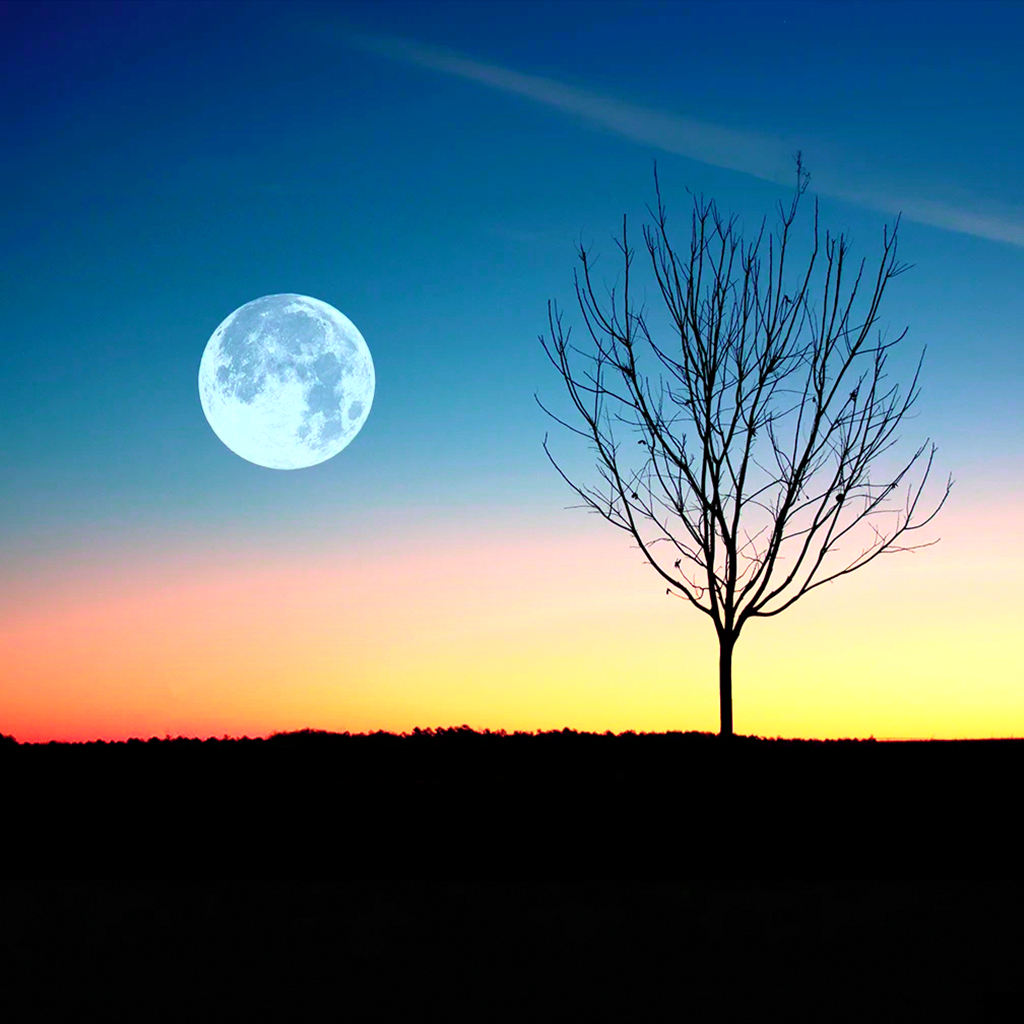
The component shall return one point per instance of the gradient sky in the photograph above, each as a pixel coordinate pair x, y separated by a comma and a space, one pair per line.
427, 168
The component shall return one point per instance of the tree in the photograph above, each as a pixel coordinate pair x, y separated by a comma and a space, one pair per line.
736, 356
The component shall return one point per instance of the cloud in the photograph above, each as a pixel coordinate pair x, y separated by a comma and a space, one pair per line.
763, 156
760, 155
1006, 227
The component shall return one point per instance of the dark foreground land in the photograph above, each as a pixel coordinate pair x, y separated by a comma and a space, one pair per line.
522, 875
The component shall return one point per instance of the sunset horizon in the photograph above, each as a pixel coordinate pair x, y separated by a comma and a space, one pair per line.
426, 171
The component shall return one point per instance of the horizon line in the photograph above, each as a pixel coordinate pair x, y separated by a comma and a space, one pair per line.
225, 737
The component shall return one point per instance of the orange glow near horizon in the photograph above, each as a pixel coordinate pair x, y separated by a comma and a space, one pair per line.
502, 629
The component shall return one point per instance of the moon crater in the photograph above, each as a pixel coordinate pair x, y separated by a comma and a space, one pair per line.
286, 381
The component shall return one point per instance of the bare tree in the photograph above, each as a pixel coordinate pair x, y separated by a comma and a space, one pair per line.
784, 432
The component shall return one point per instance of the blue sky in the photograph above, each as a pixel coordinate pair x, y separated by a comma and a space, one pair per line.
427, 168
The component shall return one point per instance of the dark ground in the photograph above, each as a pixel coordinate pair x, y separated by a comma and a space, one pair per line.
467, 874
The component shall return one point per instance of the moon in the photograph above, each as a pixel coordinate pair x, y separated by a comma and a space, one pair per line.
286, 381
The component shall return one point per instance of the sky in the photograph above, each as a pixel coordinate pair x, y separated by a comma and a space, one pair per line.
428, 168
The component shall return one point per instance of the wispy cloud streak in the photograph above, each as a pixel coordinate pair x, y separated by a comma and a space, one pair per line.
763, 156
760, 155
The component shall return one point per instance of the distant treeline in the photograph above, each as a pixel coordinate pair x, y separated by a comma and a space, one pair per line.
458, 801
465, 732
457, 731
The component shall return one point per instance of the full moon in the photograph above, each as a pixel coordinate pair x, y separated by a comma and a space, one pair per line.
286, 381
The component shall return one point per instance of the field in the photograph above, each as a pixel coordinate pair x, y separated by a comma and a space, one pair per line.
603, 871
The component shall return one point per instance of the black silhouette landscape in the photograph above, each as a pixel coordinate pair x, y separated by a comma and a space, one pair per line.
464, 803
520, 862
276, 286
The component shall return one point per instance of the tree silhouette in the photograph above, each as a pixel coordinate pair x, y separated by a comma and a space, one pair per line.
793, 460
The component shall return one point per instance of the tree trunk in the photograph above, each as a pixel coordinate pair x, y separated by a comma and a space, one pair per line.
726, 642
